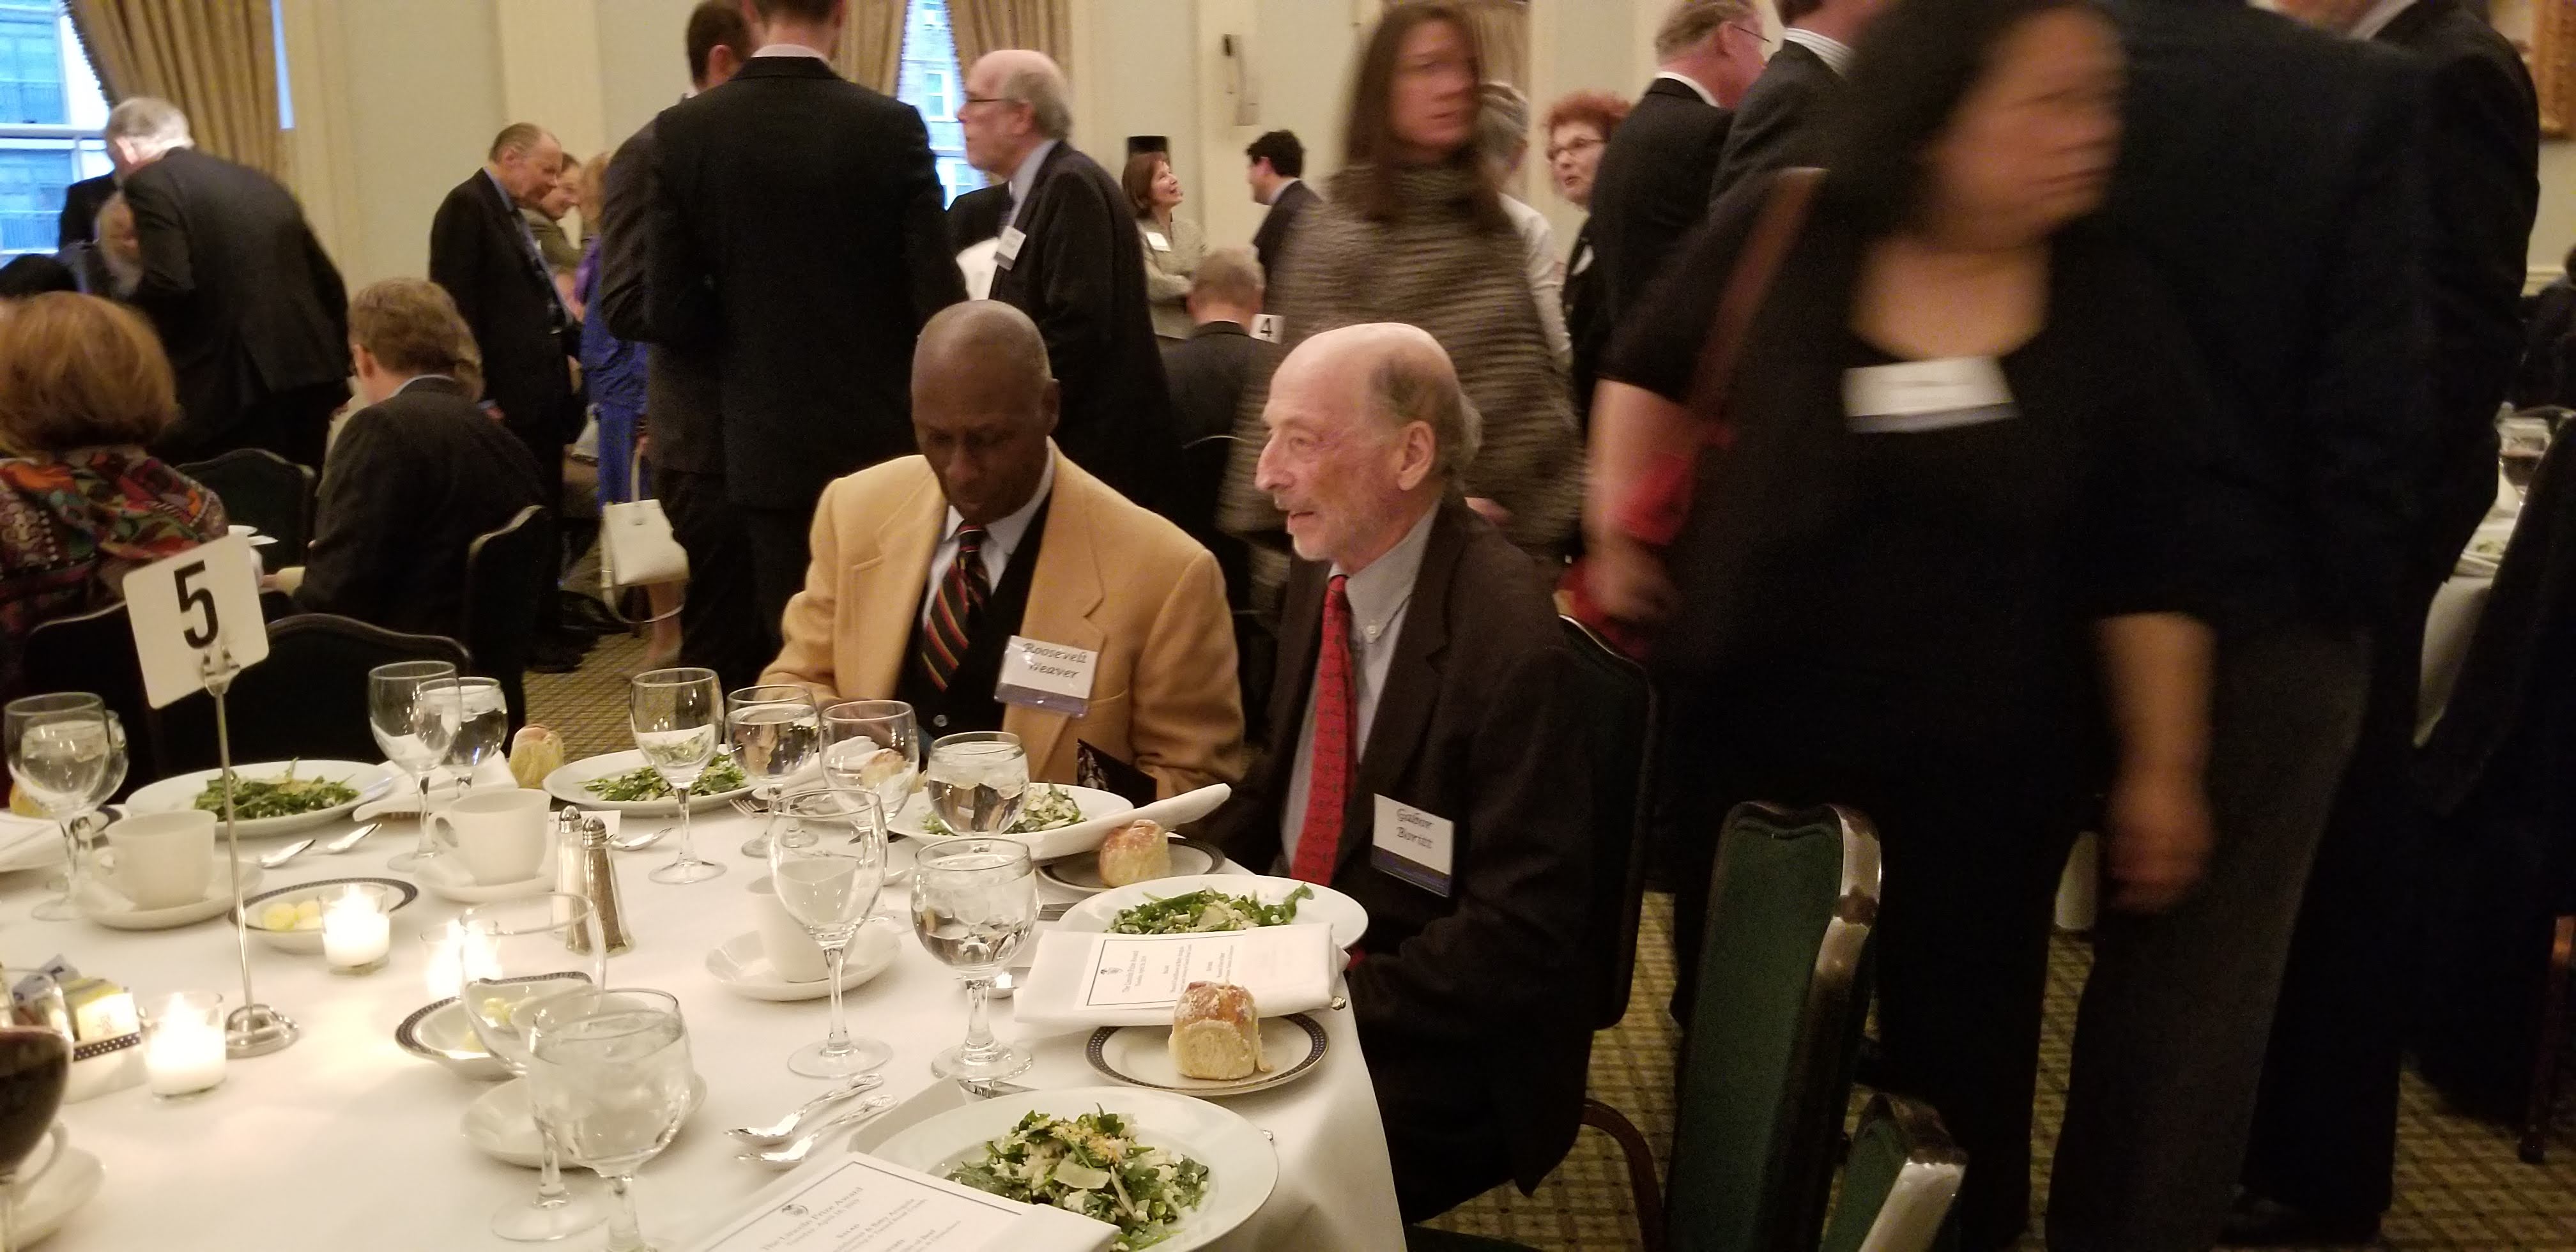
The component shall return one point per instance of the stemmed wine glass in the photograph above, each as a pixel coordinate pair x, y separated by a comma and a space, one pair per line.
35, 1067
476, 716
827, 861
611, 1070
974, 901
678, 714
776, 733
873, 746
513, 953
976, 781
413, 743
62, 748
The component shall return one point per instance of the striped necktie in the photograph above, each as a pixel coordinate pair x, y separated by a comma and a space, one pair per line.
1328, 773
962, 592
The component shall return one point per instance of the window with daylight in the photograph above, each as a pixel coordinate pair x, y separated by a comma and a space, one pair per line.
930, 81
50, 114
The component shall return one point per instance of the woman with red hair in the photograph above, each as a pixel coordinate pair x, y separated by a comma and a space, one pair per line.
1578, 128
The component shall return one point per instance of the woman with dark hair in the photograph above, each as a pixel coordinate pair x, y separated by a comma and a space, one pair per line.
1937, 568
1412, 230
1578, 127
1173, 244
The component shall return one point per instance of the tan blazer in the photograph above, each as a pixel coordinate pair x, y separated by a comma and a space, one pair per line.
1111, 577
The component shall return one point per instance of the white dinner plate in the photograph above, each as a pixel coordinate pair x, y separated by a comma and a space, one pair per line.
565, 784
1293, 1046
390, 893
176, 794
499, 1122
1102, 811
1327, 906
1242, 1166
1081, 872
447, 878
102, 903
744, 968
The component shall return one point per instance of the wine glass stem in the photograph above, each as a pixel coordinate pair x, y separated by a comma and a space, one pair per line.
71, 876
551, 1190
625, 1234
979, 1031
687, 853
837, 1042
427, 848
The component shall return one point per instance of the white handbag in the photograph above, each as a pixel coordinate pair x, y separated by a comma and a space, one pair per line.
635, 544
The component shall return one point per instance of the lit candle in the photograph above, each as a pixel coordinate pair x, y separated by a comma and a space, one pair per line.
355, 933
183, 1048
446, 976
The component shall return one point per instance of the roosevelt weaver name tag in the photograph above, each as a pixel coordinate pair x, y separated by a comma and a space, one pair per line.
1414, 845
1910, 397
1046, 676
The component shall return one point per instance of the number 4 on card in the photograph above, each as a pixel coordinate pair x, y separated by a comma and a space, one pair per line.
194, 612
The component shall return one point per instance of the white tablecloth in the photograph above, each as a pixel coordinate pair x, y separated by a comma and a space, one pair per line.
344, 1141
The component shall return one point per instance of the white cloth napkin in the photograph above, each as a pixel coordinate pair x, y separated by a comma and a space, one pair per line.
1081, 837
1083, 980
404, 799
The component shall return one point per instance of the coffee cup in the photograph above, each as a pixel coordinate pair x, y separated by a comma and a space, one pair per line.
793, 954
499, 835
162, 860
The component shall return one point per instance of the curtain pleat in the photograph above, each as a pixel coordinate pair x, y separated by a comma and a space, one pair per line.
215, 59
871, 51
985, 25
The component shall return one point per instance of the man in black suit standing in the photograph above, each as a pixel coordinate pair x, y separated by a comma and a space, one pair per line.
1423, 682
249, 307
1208, 372
78, 223
1071, 258
683, 409
2305, 304
1776, 125
481, 251
813, 329
2319, 1167
1652, 187
1277, 176
977, 215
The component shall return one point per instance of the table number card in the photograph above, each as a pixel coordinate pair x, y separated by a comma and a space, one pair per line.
860, 1204
201, 604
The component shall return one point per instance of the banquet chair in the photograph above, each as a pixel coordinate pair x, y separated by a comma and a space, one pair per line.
261, 489
1766, 1071
1898, 1181
94, 652
307, 700
507, 572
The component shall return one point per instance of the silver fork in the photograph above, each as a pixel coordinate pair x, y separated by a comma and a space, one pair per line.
794, 1154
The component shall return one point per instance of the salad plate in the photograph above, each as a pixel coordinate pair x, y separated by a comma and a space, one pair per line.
1241, 1166
440, 1032
362, 781
1075, 819
1321, 905
1190, 858
572, 784
1142, 1056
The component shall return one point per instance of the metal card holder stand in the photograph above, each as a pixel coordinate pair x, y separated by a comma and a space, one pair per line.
254, 1029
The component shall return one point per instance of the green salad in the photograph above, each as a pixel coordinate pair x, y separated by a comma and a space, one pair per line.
1046, 808
645, 783
283, 796
1196, 912
1092, 1165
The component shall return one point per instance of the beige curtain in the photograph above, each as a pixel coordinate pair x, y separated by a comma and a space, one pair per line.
215, 59
984, 25
871, 51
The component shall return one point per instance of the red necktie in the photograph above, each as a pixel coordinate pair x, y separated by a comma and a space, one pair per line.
1328, 775
952, 615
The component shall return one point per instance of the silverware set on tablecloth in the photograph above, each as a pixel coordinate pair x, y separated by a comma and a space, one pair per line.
333, 848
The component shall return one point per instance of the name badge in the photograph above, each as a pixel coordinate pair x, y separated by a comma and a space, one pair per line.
1007, 249
1266, 327
1911, 397
1046, 676
1154, 239
1414, 846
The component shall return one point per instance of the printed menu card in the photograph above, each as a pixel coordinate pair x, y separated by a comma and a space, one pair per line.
849, 1203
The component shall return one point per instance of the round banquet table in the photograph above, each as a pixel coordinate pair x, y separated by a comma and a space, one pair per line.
344, 1141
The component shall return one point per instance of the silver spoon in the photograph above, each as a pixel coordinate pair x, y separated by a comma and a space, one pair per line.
641, 840
784, 1128
349, 840
285, 854
794, 1154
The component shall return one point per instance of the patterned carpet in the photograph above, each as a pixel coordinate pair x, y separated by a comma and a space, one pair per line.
2459, 1186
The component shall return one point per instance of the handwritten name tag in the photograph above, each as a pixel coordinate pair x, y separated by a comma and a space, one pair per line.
1414, 845
1046, 676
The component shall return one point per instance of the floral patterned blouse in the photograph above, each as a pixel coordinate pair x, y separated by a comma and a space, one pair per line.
72, 524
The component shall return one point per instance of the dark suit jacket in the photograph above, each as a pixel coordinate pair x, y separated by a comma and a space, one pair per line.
2483, 182
1651, 189
1080, 274
2272, 176
81, 203
683, 406
246, 302
1776, 122
1586, 322
1207, 372
478, 251
796, 232
1270, 242
409, 485
1469, 1001
977, 216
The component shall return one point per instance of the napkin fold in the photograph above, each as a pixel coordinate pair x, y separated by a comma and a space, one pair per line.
1084, 980
1081, 837
404, 799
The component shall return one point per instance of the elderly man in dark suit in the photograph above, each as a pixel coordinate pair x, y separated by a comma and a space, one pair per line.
2306, 302
1423, 684
1652, 187
249, 307
481, 251
1776, 125
1072, 259
1277, 175
813, 329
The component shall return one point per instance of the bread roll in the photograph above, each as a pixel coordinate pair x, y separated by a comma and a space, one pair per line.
534, 753
1216, 1033
1133, 853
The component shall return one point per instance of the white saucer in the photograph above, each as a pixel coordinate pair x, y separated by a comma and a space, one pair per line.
744, 968
102, 903
499, 1124
43, 1207
446, 878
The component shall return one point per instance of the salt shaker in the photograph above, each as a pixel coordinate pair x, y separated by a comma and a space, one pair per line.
585, 868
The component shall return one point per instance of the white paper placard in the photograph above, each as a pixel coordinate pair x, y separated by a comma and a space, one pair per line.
1134, 980
860, 1204
202, 603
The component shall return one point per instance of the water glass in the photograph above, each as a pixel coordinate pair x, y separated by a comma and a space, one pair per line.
67, 754
776, 734
678, 715
511, 954
976, 780
974, 902
874, 746
610, 1069
393, 717
827, 861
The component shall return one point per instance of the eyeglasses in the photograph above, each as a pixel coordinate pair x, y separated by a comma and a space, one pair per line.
1585, 144
973, 99
1754, 33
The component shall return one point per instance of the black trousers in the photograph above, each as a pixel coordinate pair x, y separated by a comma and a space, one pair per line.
781, 548
720, 629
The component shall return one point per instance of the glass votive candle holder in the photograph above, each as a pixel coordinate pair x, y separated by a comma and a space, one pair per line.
183, 1044
357, 935
444, 945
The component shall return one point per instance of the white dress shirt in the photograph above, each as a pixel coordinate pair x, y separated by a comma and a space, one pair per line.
1705, 95
1025, 178
1546, 276
1836, 54
1379, 596
1001, 539
790, 50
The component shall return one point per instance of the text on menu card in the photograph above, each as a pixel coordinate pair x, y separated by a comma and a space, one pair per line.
860, 1204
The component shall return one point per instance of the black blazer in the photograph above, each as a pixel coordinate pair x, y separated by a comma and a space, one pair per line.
81, 203
246, 302
683, 407
1651, 189
2273, 176
977, 216
796, 233
1586, 322
1271, 241
478, 251
2483, 182
1776, 123
409, 485
1207, 372
1470, 999
1080, 275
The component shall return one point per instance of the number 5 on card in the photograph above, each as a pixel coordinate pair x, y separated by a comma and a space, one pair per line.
200, 604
